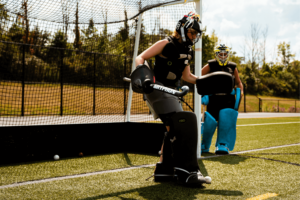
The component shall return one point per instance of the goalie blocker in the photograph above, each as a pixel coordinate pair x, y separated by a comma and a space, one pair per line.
180, 152
141, 78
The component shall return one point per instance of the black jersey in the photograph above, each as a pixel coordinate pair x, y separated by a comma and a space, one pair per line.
215, 67
169, 70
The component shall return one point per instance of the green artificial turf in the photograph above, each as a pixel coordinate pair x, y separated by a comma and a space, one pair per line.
254, 136
49, 169
243, 121
287, 154
239, 176
233, 177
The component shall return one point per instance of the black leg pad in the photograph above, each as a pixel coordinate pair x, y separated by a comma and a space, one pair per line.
184, 138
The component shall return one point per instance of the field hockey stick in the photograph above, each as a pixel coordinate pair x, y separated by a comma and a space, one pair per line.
148, 83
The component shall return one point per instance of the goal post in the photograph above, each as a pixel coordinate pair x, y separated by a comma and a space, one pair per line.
198, 64
136, 46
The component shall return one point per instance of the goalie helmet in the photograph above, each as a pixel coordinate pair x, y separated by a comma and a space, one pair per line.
222, 53
188, 22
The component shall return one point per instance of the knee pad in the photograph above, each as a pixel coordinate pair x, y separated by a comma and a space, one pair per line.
227, 128
207, 131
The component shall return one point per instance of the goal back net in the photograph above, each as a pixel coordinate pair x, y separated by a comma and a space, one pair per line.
62, 62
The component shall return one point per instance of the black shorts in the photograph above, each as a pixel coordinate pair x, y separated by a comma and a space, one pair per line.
219, 102
163, 104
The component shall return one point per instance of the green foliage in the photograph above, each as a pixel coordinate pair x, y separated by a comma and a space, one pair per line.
59, 40
89, 37
208, 44
284, 53
15, 33
103, 41
3, 17
279, 79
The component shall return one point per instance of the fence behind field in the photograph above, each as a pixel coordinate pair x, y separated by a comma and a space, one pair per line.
278, 105
252, 103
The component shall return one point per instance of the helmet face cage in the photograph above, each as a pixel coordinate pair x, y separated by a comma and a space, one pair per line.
189, 22
198, 35
222, 53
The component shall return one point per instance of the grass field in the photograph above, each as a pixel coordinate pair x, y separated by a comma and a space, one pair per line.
261, 174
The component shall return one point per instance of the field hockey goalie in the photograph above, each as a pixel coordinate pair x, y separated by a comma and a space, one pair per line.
222, 113
179, 152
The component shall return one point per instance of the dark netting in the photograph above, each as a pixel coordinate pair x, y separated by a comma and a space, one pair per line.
62, 62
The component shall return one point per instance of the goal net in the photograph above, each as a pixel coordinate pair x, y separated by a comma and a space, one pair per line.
62, 61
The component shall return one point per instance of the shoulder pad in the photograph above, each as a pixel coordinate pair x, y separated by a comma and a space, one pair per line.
211, 61
170, 50
231, 63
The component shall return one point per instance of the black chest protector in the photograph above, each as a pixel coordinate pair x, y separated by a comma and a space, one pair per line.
218, 102
215, 67
169, 70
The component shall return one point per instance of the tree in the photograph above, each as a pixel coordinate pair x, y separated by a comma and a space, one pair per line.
294, 68
264, 44
59, 41
236, 59
77, 43
3, 17
65, 13
90, 36
25, 23
15, 32
208, 44
214, 38
252, 43
284, 53
103, 43
124, 32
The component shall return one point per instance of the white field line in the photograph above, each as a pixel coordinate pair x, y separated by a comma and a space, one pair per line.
136, 167
247, 151
268, 124
72, 176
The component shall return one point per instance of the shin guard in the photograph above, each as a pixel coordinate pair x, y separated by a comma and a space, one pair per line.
226, 131
207, 131
184, 138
